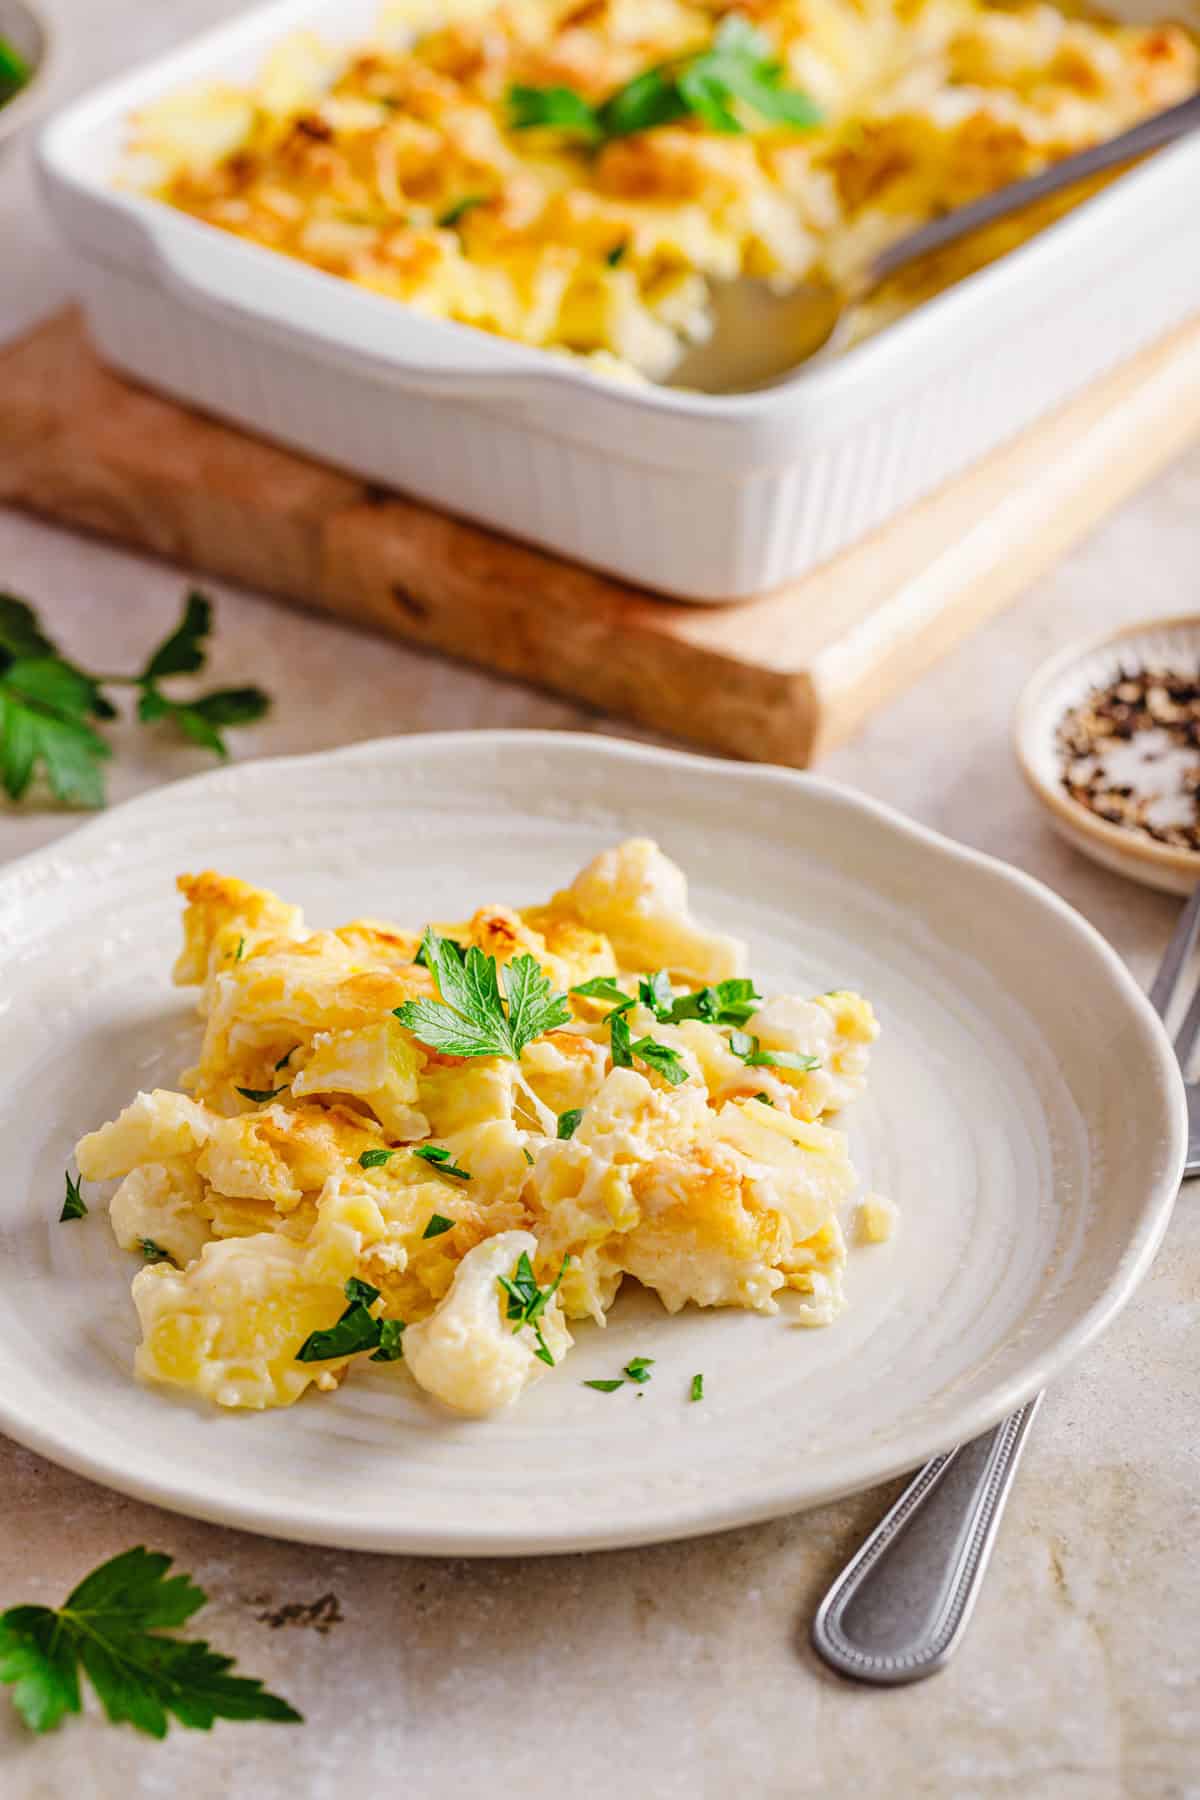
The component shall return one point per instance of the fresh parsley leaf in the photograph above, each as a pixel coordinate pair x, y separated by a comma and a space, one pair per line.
526, 1155
620, 1041
616, 256
361, 1292
46, 704
357, 1330
441, 1160
556, 108
737, 72
391, 1346
240, 952
74, 1206
14, 70
765, 1098
285, 1060
112, 1626
662, 1059
375, 1159
527, 1301
697, 1387
569, 1122
182, 653
260, 1096
746, 1045
471, 1019
656, 992
728, 1003
603, 987
460, 209
605, 1387
20, 634
636, 1370
43, 723
437, 1226
421, 959
154, 1253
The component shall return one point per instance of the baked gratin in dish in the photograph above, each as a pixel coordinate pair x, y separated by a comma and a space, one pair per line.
441, 1149
574, 174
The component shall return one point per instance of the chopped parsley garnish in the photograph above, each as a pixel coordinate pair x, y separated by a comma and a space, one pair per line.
441, 1160
603, 987
738, 72
617, 254
527, 1301
74, 1206
568, 1122
471, 1018
260, 1096
375, 1159
746, 1045
660, 1057
240, 951
656, 992
154, 1253
765, 1098
605, 1387
112, 1626
728, 1003
460, 209
697, 1387
437, 1226
636, 1370
526, 1154
14, 70
357, 1330
285, 1060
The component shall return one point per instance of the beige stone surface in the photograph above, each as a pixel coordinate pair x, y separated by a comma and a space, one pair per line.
681, 1670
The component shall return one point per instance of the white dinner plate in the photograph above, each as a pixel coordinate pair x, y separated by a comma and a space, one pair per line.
1024, 1112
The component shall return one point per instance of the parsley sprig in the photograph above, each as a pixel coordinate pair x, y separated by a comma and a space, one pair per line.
471, 1018
738, 73
48, 704
14, 70
358, 1329
439, 1158
113, 1626
527, 1301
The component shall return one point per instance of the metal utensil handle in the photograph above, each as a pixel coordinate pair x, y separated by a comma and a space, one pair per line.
1152, 134
898, 1609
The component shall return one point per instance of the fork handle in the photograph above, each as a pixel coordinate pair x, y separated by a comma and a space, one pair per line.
898, 1609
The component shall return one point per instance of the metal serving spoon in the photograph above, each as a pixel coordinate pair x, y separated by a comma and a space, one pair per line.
762, 339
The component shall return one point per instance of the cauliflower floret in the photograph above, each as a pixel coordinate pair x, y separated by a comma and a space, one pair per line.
224, 918
380, 1064
466, 1353
153, 1128
229, 1325
639, 899
159, 1203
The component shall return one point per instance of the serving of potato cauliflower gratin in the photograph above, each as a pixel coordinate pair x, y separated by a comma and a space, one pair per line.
573, 173
439, 1149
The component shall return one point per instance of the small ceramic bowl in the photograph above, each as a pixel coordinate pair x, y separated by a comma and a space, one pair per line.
1057, 687
28, 31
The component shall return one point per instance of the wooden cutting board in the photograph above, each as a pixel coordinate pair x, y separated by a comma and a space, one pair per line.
778, 678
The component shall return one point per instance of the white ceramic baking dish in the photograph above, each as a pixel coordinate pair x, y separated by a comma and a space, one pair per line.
706, 498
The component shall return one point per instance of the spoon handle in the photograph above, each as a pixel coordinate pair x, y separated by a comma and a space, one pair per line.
1152, 134
897, 1611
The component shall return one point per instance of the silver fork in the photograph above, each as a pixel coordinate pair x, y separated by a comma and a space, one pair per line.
899, 1609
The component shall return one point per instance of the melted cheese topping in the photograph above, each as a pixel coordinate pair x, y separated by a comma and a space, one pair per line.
725, 1189
396, 167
